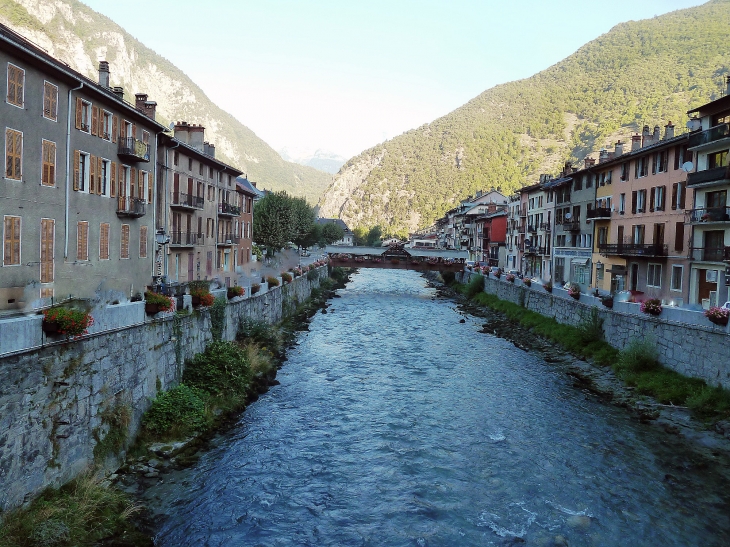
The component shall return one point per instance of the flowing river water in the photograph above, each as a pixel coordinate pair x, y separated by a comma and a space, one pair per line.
397, 425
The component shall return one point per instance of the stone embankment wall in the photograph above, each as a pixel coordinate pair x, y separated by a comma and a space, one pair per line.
695, 350
58, 402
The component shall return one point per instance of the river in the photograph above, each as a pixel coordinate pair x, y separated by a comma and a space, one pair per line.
394, 424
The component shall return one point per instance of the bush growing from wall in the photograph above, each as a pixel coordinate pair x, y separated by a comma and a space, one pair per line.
475, 286
220, 370
261, 333
176, 413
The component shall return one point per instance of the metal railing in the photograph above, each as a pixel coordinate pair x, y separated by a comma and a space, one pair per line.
633, 249
131, 207
599, 212
134, 149
716, 133
228, 209
718, 174
181, 199
710, 214
710, 254
571, 226
186, 238
545, 226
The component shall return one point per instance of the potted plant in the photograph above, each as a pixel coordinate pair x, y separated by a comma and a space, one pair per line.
510, 278
653, 306
527, 281
607, 301
155, 302
235, 291
198, 290
574, 291
68, 321
286, 277
272, 281
717, 315
255, 287
498, 273
548, 286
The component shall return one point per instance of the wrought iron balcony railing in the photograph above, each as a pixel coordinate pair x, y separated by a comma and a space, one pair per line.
186, 239
133, 150
599, 213
718, 175
131, 207
632, 249
228, 209
571, 226
710, 214
186, 201
710, 254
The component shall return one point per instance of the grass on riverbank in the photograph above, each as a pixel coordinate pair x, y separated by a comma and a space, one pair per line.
637, 364
81, 513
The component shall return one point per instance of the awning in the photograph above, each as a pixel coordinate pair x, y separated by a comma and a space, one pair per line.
618, 270
581, 261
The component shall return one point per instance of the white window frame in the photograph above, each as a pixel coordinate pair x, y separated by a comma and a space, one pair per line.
145, 188
85, 159
128, 129
86, 108
107, 116
20, 240
22, 152
658, 198
641, 201
7, 70
681, 278
106, 166
43, 100
649, 268
622, 204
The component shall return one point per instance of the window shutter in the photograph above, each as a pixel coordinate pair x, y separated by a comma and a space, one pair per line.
92, 174
114, 180
132, 182
47, 229
124, 252
104, 241
134, 131
652, 197
663, 201
121, 182
77, 161
149, 190
115, 128
79, 108
52, 163
654, 160
676, 157
633, 202
95, 121
674, 195
682, 195
20, 85
679, 237
143, 241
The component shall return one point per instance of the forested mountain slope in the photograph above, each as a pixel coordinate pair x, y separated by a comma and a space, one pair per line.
79, 36
641, 72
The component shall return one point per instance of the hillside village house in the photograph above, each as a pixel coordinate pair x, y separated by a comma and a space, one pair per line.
709, 217
200, 208
77, 184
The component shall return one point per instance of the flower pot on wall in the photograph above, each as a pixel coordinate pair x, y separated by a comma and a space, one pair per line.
151, 309
721, 321
50, 327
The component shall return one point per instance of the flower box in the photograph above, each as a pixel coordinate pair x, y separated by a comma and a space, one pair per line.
607, 301
235, 291
510, 278
717, 315
68, 321
155, 303
527, 282
653, 306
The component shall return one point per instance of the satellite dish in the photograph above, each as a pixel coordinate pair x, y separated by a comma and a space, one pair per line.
171, 126
568, 216
694, 124
687, 166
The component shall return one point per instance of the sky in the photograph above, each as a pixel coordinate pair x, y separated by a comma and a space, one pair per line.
344, 75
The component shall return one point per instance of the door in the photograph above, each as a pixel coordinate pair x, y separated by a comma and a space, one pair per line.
705, 287
191, 266
620, 237
176, 188
714, 245
634, 278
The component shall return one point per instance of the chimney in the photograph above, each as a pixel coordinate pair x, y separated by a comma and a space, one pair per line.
590, 162
669, 130
150, 109
727, 85
567, 168
646, 138
119, 92
619, 150
139, 100
657, 134
209, 149
635, 142
196, 136
182, 130
104, 74
603, 155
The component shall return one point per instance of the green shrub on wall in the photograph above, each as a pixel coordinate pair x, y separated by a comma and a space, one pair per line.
176, 413
220, 369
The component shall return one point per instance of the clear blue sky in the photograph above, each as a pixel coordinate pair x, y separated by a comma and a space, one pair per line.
344, 75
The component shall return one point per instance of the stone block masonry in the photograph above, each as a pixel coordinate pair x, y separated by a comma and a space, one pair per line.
693, 350
55, 402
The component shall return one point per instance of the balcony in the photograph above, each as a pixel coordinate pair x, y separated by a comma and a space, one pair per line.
133, 151
545, 226
710, 214
718, 175
186, 239
571, 226
226, 209
228, 239
633, 249
717, 133
599, 213
131, 207
710, 254
186, 201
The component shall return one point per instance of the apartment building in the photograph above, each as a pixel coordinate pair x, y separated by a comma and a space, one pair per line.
76, 189
248, 196
645, 238
536, 218
709, 217
199, 209
491, 229
514, 239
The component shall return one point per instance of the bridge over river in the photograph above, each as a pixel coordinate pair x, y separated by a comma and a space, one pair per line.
398, 257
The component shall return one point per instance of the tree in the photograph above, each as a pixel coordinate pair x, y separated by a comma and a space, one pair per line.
331, 232
273, 221
360, 236
302, 221
374, 235
313, 237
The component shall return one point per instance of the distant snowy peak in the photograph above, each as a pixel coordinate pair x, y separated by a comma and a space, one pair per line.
323, 160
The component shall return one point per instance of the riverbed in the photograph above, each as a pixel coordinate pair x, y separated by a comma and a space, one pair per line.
396, 424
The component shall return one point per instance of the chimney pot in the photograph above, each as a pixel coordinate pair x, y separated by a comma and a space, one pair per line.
119, 92
590, 162
657, 134
104, 74
619, 149
669, 130
635, 142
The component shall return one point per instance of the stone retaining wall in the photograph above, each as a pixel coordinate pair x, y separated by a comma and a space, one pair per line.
694, 350
56, 401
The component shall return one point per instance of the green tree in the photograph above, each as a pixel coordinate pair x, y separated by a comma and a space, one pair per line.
273, 221
374, 235
302, 221
314, 236
360, 236
331, 232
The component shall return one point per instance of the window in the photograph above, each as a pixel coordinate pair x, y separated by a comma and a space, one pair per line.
578, 184
83, 115
211, 193
200, 169
679, 236
146, 137
656, 199
50, 101
654, 276
11, 239
637, 234
143, 241
176, 157
13, 154
104, 241
145, 178
82, 240
603, 235
640, 201
48, 176
48, 227
641, 167
124, 251
128, 129
81, 171
661, 159
210, 173
588, 179
676, 282
717, 159
105, 132
16, 85
625, 171
190, 164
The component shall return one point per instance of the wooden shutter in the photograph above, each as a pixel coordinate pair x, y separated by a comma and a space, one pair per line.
82, 240
47, 232
134, 131
92, 174
633, 202
679, 236
77, 162
104, 241
16, 82
13, 154
143, 241
79, 109
113, 189
122, 190
674, 195
652, 196
95, 121
132, 182
654, 159
140, 184
124, 251
12, 241
48, 177
682, 195
664, 198
676, 157
149, 189
115, 128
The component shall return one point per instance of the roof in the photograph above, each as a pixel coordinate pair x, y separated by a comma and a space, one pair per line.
554, 183
338, 221
242, 185
27, 48
167, 140
712, 107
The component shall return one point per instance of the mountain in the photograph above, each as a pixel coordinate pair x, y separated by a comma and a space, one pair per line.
322, 160
77, 35
641, 72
